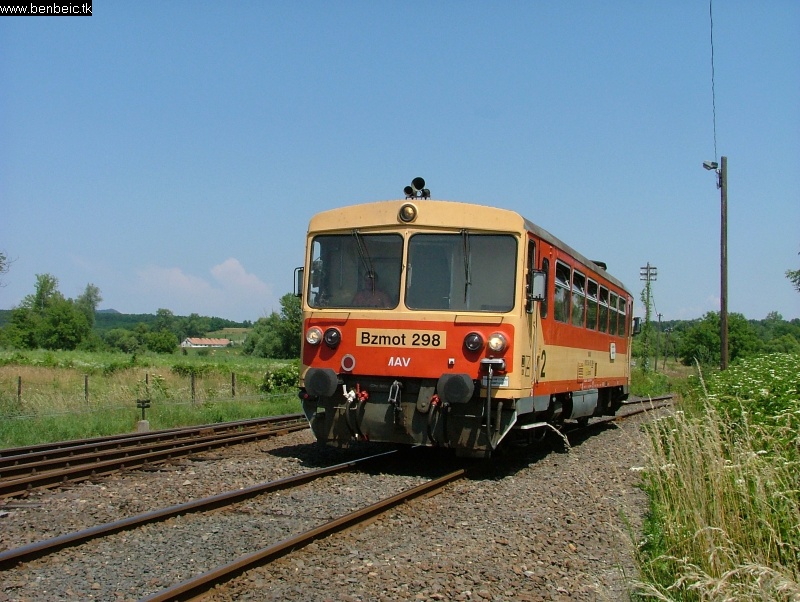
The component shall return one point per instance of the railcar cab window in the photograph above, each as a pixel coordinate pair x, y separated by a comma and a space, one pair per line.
463, 271
562, 293
355, 270
623, 322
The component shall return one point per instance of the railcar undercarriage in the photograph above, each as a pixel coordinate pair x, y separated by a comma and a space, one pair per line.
461, 416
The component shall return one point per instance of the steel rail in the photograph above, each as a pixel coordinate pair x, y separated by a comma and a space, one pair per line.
26, 553
634, 412
195, 586
88, 454
13, 487
640, 400
12, 455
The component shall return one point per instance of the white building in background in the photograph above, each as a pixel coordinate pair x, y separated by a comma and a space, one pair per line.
199, 343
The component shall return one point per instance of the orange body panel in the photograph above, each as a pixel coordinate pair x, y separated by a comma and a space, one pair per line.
403, 348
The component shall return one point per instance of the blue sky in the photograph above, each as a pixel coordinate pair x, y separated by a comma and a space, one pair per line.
172, 153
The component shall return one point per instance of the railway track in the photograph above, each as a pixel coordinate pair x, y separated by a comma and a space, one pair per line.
197, 584
49, 465
54, 464
201, 583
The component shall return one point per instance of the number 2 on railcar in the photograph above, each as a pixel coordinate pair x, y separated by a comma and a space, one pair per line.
456, 325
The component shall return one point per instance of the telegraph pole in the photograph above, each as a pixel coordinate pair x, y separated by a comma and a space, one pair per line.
649, 274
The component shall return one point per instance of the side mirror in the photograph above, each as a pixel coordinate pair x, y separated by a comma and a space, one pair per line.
539, 285
637, 325
538, 288
299, 280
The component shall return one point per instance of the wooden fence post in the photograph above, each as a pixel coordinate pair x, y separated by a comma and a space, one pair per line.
86, 388
19, 389
233, 384
193, 379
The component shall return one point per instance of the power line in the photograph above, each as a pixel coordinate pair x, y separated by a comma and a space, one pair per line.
713, 92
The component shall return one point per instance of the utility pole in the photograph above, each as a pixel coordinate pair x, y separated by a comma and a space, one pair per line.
649, 274
722, 183
723, 263
667, 345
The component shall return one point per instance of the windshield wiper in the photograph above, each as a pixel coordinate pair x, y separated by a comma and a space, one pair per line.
363, 254
467, 278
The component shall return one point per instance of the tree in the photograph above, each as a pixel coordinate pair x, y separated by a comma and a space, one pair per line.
278, 335
165, 320
794, 278
162, 341
264, 340
20, 333
123, 339
88, 302
193, 326
48, 320
46, 291
3, 265
63, 325
702, 340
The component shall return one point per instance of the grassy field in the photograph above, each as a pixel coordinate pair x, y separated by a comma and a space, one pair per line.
724, 484
52, 396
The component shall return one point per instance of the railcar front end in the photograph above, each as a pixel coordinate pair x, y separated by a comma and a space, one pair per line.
422, 325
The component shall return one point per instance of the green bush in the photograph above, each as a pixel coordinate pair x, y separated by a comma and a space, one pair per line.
281, 378
188, 370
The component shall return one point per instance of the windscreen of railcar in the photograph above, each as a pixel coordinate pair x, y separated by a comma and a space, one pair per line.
355, 270
462, 272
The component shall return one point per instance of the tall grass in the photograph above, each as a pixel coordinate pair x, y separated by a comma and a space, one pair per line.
54, 405
724, 489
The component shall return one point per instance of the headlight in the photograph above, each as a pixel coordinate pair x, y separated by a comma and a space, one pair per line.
407, 213
473, 341
313, 336
332, 338
497, 342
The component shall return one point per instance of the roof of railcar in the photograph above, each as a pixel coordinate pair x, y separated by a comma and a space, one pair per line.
450, 213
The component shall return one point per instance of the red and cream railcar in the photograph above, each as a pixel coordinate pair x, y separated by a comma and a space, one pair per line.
455, 325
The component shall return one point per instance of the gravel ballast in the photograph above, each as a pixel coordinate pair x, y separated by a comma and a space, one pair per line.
547, 524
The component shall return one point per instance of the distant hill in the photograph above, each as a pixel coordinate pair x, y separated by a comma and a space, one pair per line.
109, 319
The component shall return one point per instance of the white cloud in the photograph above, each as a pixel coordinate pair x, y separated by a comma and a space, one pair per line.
232, 292
232, 276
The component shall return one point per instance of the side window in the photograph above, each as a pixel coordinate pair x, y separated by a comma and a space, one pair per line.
578, 298
612, 314
623, 322
544, 302
562, 292
602, 324
591, 305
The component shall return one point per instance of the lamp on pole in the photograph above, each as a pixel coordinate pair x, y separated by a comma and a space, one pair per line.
722, 183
